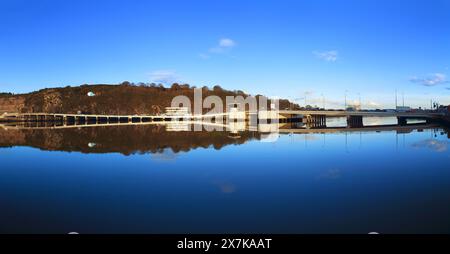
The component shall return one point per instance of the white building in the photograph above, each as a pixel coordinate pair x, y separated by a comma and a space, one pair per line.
177, 111
403, 109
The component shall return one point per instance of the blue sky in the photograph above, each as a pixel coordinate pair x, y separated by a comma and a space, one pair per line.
279, 48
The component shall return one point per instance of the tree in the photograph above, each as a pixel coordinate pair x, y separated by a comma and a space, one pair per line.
185, 86
217, 88
175, 86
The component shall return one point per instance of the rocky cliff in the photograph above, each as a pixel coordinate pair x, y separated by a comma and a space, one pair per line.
12, 104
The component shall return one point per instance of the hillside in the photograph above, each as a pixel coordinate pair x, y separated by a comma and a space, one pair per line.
125, 98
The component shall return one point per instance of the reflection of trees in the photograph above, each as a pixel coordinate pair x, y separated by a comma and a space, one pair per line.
123, 139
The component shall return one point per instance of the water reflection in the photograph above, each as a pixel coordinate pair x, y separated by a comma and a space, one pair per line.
388, 179
433, 144
331, 174
167, 139
158, 139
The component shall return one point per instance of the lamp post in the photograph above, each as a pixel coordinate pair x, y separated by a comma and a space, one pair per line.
360, 105
345, 100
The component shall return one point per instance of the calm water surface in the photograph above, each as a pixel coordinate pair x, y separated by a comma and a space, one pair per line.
145, 179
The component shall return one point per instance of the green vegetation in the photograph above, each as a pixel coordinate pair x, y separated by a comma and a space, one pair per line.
5, 94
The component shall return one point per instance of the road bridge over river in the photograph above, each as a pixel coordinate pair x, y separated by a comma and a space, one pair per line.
313, 118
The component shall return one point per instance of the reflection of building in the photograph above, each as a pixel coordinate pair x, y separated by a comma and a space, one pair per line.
177, 126
268, 127
236, 126
234, 112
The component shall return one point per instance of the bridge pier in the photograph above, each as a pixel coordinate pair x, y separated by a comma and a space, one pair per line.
315, 121
355, 121
402, 121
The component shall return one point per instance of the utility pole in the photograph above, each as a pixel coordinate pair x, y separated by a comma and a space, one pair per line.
396, 99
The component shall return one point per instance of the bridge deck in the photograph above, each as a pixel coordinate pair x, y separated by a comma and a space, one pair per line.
337, 113
19, 115
327, 113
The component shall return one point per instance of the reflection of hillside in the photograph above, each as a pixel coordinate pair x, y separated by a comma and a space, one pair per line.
124, 139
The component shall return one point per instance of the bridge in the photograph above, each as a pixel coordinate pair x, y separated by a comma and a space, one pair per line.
310, 117
355, 118
59, 117
343, 113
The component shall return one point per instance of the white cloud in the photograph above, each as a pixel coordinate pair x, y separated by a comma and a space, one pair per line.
372, 104
224, 45
164, 76
204, 56
431, 80
329, 56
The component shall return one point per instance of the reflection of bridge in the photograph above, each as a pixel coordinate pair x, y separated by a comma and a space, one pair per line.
170, 125
375, 128
282, 128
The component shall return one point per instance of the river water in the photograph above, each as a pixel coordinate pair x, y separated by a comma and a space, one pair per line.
155, 179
